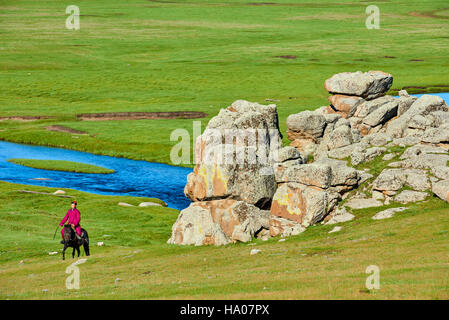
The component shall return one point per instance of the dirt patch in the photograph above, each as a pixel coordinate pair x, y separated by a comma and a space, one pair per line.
430, 14
64, 129
24, 118
141, 115
416, 60
286, 57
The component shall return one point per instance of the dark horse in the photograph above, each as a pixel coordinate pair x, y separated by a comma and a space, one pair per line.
71, 240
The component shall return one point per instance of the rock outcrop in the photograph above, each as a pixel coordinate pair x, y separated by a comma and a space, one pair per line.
246, 185
234, 179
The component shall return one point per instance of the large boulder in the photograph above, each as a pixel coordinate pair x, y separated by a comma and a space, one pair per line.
368, 85
345, 104
235, 155
305, 125
297, 202
423, 106
218, 222
441, 189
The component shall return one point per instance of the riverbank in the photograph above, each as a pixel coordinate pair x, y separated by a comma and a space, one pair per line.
136, 263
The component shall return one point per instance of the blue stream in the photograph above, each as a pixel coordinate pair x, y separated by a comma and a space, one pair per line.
131, 177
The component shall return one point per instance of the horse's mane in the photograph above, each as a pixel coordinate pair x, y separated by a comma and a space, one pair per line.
67, 232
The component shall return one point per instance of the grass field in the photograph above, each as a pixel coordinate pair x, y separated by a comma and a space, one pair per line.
197, 56
138, 55
61, 165
411, 250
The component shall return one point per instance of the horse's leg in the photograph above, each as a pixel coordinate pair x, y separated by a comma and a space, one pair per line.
78, 250
63, 252
73, 253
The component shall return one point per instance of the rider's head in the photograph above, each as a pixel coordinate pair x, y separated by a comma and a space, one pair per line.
74, 204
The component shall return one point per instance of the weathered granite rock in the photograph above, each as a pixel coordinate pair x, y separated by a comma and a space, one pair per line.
382, 114
367, 107
234, 155
218, 222
343, 178
388, 213
441, 189
284, 227
360, 155
305, 125
308, 174
395, 179
149, 204
361, 203
368, 85
340, 215
408, 196
436, 135
300, 203
422, 106
340, 137
344, 103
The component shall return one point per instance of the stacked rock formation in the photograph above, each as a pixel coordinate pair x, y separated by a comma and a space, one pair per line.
233, 181
370, 126
302, 184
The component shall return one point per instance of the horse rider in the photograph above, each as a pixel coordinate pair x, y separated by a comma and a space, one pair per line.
74, 217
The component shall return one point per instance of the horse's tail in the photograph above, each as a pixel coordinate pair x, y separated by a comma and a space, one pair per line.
86, 242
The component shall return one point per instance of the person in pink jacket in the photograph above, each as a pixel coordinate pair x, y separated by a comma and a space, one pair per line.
73, 218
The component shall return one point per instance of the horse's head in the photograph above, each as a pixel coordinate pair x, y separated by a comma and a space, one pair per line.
68, 233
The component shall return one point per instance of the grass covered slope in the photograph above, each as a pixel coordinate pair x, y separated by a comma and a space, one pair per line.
198, 55
411, 250
61, 165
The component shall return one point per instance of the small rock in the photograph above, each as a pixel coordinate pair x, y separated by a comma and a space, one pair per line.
149, 204
44, 290
407, 196
388, 156
363, 203
124, 204
385, 214
281, 240
335, 229
341, 215
59, 192
53, 253
254, 251
21, 262
100, 244
117, 280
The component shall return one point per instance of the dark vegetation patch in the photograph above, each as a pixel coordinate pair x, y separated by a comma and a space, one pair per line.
436, 88
24, 118
59, 128
141, 115
430, 14
286, 57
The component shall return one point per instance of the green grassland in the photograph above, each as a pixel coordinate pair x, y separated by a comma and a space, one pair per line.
197, 56
61, 165
201, 56
411, 250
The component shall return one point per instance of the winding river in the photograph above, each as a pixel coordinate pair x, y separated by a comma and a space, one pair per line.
131, 177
